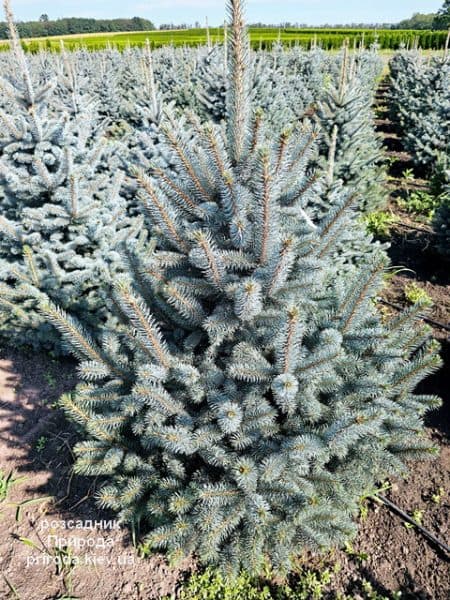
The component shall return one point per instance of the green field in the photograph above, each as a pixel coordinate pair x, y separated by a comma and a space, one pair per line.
329, 39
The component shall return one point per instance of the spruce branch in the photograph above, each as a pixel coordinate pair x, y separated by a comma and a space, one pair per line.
181, 152
265, 217
159, 211
238, 94
76, 337
146, 327
18, 52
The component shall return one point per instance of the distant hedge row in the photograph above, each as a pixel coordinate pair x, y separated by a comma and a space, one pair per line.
386, 39
264, 38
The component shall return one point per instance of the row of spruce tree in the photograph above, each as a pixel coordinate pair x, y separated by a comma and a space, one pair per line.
192, 232
420, 105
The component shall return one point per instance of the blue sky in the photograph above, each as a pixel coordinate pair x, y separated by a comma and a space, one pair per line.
313, 12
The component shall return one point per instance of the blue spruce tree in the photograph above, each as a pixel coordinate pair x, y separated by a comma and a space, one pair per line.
61, 216
345, 114
441, 219
250, 396
420, 102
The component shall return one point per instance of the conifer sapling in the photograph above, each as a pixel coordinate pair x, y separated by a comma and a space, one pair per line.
251, 396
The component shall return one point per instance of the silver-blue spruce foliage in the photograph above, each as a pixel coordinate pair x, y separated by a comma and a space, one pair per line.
251, 394
420, 103
61, 214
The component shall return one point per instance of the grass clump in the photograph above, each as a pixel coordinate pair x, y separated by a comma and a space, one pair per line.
414, 294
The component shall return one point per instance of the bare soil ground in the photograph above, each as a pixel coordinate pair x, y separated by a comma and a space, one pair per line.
413, 242
394, 557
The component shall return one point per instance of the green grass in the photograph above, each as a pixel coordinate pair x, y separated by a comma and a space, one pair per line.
210, 585
6, 483
414, 294
379, 223
420, 203
329, 39
306, 585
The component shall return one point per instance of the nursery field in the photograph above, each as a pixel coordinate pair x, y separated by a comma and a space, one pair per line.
224, 318
329, 39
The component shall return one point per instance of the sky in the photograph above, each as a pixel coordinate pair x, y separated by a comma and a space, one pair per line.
312, 12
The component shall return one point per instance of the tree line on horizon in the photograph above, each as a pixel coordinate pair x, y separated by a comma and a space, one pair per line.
74, 25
